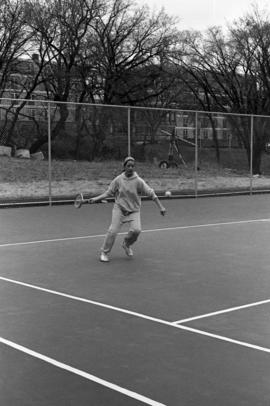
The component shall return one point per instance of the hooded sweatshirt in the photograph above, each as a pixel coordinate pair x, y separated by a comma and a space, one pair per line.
127, 192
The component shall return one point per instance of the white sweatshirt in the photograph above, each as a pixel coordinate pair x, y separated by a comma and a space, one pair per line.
128, 192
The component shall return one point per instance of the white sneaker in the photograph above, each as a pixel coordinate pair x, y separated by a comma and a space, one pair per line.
104, 257
127, 250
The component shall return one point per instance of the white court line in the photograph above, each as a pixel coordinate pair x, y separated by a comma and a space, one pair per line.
222, 338
231, 309
228, 223
13, 244
81, 373
143, 316
81, 299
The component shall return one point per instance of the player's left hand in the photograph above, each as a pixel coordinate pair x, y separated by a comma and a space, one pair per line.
163, 211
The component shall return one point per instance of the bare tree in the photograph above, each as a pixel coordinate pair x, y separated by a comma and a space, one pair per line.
60, 28
127, 39
122, 60
232, 72
14, 43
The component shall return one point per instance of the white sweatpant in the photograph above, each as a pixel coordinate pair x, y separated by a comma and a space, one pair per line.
118, 219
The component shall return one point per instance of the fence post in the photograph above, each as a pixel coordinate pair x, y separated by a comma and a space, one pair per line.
196, 155
129, 138
251, 154
49, 155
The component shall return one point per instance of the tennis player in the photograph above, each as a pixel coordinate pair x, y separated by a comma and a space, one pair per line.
127, 189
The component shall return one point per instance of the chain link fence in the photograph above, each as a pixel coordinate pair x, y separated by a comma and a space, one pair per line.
56, 150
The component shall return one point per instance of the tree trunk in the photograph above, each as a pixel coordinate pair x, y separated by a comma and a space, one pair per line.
215, 138
257, 160
57, 130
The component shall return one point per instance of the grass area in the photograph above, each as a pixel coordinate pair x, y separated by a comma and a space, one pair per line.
233, 162
24, 178
26, 170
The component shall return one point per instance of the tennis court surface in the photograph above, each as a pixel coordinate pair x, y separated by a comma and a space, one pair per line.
186, 322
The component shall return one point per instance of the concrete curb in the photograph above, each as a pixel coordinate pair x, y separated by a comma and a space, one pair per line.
181, 194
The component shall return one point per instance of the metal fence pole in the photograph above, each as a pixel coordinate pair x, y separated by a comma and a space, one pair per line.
196, 155
129, 138
49, 155
251, 154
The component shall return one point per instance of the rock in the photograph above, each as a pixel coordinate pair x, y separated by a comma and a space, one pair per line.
22, 153
38, 156
5, 151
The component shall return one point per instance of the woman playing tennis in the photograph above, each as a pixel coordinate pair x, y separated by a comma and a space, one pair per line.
127, 189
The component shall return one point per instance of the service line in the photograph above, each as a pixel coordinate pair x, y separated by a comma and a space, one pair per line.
218, 312
153, 230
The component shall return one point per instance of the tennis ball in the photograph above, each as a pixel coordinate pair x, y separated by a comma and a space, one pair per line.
168, 193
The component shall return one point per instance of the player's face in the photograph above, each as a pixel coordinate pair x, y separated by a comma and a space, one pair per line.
129, 169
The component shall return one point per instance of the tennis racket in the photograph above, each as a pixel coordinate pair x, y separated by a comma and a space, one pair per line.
80, 200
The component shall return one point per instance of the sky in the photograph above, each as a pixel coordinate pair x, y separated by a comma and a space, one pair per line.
200, 14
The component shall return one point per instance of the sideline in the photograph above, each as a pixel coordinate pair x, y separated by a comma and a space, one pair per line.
143, 316
81, 373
